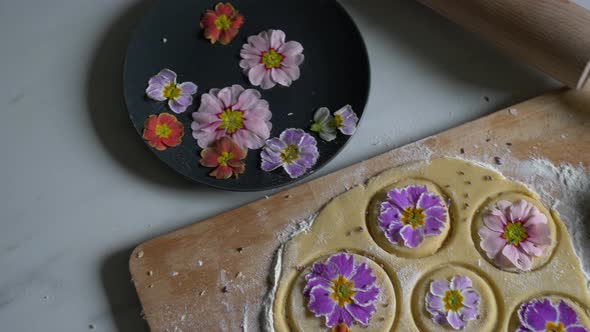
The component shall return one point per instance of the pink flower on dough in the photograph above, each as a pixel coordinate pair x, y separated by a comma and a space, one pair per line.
514, 233
267, 59
235, 112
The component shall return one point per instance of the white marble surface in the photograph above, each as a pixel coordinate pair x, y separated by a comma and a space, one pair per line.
79, 189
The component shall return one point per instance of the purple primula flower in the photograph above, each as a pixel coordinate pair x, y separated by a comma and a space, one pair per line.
410, 214
454, 303
341, 291
163, 86
294, 150
542, 315
346, 120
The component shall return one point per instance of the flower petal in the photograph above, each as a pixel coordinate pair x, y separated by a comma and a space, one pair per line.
363, 276
312, 280
538, 313
517, 258
344, 263
320, 302
539, 234
517, 211
290, 48
188, 88
247, 100
399, 198
491, 242
294, 170
292, 71
414, 193
176, 107
469, 313
256, 74
278, 75
461, 283
209, 157
259, 42
494, 222
428, 200
434, 304
267, 81
155, 93
455, 320
470, 298
277, 38
439, 287
567, 315
412, 237
364, 298
361, 314
339, 315
167, 74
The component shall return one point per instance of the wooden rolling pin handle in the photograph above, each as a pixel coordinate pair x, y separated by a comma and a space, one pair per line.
552, 35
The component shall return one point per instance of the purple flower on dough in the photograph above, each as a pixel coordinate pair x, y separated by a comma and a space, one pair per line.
341, 291
163, 86
267, 59
453, 303
295, 150
234, 112
410, 214
513, 233
541, 315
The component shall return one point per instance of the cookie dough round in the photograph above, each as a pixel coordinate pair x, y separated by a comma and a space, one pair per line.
513, 197
430, 245
301, 319
487, 319
582, 313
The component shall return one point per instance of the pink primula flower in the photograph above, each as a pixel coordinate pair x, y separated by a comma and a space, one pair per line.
514, 233
268, 60
235, 112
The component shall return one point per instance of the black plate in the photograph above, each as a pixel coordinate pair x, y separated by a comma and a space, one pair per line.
335, 72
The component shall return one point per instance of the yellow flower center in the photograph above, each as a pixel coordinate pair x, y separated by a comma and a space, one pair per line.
223, 22
231, 121
171, 91
290, 153
514, 233
342, 290
413, 216
163, 131
552, 327
337, 120
453, 300
224, 158
272, 59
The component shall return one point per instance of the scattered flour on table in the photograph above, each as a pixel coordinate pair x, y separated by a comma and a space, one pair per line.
292, 230
566, 189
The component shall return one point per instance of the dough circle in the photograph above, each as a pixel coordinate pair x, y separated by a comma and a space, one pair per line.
487, 320
513, 197
429, 246
582, 312
301, 319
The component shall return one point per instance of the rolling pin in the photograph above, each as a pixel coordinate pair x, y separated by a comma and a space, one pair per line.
551, 35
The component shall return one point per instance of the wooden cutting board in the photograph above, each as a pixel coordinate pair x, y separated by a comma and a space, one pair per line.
212, 276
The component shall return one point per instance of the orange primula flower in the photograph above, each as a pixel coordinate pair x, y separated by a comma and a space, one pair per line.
226, 156
222, 23
163, 131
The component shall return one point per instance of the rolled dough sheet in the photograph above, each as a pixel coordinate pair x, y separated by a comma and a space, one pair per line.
347, 223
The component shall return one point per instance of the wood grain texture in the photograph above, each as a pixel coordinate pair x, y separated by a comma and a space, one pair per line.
170, 280
552, 35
